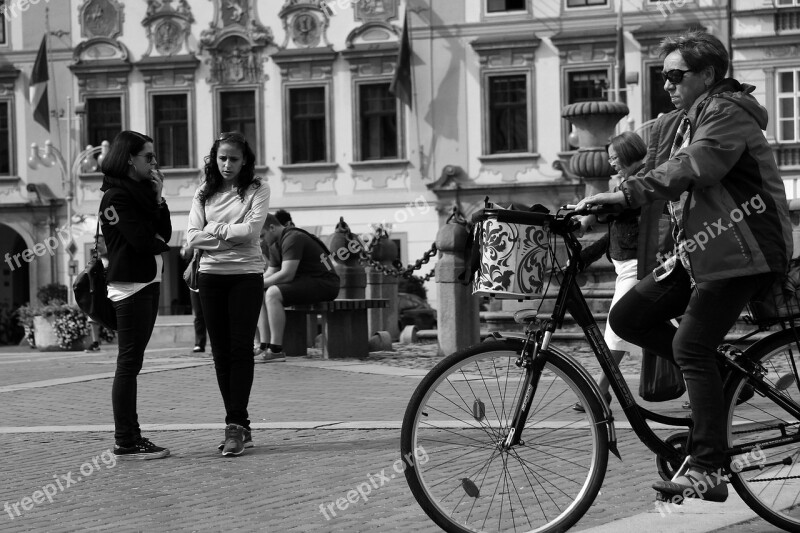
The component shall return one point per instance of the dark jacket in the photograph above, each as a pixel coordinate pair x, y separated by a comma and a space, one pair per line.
130, 220
655, 234
736, 217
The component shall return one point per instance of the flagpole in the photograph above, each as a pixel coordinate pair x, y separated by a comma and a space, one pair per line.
51, 69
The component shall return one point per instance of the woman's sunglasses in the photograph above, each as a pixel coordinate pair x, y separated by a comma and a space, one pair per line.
674, 76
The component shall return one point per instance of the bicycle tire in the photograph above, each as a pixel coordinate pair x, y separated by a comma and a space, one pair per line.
466, 483
771, 490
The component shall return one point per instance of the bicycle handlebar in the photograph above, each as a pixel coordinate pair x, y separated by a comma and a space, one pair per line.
560, 222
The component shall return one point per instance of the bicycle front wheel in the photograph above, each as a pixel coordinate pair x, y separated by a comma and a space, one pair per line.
767, 478
466, 481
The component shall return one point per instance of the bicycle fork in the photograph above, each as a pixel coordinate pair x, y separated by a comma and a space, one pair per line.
534, 372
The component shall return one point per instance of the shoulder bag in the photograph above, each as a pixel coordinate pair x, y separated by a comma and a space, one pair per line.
91, 291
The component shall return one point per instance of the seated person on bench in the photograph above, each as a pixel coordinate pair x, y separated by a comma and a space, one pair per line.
295, 276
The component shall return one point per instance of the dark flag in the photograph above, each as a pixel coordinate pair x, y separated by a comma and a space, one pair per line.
38, 87
401, 86
620, 81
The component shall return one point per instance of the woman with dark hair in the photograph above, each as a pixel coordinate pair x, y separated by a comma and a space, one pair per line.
228, 212
626, 154
730, 222
136, 228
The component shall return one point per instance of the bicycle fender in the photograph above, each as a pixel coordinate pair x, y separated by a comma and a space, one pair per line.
607, 418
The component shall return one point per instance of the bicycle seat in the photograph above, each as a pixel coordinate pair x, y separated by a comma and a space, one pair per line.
525, 315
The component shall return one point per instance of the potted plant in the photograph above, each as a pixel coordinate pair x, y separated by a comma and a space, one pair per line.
53, 324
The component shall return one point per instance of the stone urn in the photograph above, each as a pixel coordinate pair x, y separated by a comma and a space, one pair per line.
594, 123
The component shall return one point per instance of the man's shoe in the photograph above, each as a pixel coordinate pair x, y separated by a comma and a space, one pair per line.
272, 357
198, 349
94, 347
248, 440
142, 450
694, 484
234, 440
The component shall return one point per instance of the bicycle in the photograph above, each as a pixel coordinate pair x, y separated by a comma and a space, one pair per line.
505, 451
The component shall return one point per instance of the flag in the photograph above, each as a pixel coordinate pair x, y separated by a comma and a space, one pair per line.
401, 85
620, 81
38, 87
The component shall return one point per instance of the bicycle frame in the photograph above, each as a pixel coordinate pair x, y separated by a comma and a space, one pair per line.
570, 298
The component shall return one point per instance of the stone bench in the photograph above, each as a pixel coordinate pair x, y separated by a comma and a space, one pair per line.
344, 327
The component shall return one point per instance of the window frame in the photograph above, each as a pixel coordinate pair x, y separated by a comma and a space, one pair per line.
358, 156
605, 5
12, 151
122, 112
327, 86
190, 124
258, 142
568, 69
486, 14
795, 97
794, 3
4, 26
486, 140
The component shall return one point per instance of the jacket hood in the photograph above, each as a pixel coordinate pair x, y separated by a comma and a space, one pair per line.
739, 94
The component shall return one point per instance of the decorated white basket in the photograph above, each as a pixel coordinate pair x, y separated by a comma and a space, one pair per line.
514, 259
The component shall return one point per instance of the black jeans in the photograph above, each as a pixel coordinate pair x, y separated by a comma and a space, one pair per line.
642, 317
199, 320
136, 317
231, 305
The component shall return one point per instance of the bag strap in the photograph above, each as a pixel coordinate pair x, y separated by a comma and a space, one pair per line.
96, 238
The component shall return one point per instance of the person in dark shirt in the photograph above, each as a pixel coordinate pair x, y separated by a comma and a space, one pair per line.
295, 276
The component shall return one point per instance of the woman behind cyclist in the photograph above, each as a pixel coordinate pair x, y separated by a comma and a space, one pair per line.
626, 153
729, 208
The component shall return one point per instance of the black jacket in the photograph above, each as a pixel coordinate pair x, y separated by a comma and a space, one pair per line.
130, 220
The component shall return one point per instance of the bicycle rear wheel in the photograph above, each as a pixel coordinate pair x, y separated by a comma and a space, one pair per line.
768, 479
465, 481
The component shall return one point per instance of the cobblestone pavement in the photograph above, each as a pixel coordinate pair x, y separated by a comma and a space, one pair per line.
57, 425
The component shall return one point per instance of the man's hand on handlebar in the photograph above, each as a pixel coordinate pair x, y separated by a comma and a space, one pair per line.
603, 198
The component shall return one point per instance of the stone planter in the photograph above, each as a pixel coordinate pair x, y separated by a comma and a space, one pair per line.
44, 335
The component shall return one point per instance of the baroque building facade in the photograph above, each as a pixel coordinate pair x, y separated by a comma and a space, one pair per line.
308, 82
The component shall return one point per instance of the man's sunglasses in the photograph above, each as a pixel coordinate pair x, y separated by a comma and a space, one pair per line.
674, 76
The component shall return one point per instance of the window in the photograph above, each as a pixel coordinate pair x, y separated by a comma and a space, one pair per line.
788, 105
784, 3
586, 3
500, 6
508, 114
238, 113
377, 122
307, 125
2, 23
103, 119
658, 97
6, 149
171, 129
587, 85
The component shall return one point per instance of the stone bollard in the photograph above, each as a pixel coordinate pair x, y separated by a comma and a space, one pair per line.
345, 248
458, 317
380, 285
408, 335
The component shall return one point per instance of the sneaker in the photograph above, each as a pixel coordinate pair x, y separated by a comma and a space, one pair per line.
258, 352
248, 440
198, 349
94, 347
694, 484
272, 357
142, 450
234, 440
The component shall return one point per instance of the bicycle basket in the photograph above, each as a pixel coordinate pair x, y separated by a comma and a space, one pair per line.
514, 258
781, 300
